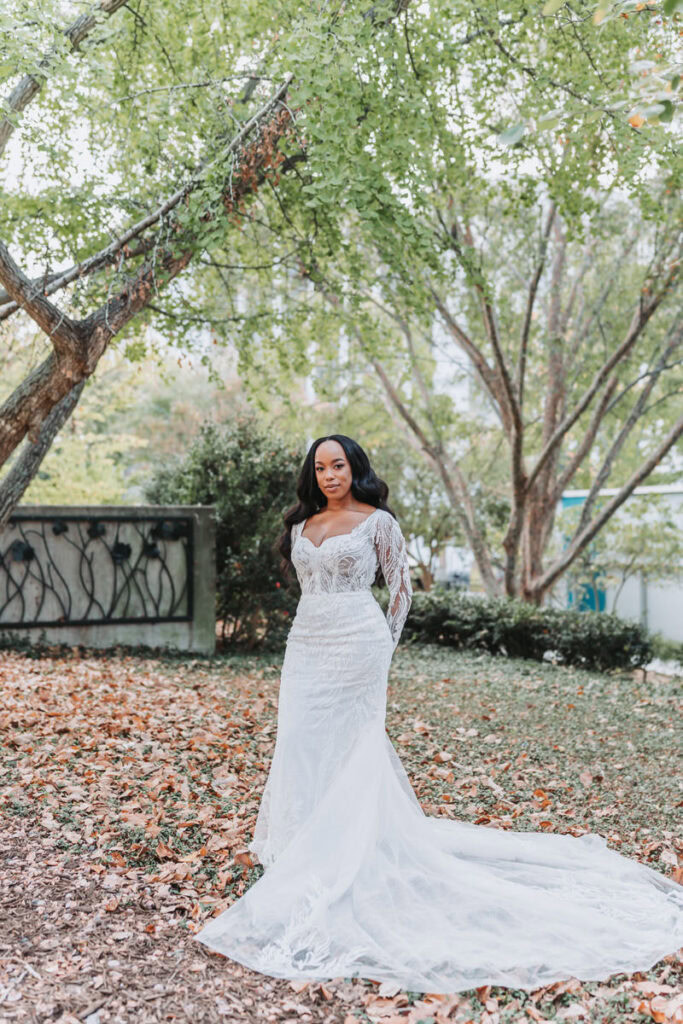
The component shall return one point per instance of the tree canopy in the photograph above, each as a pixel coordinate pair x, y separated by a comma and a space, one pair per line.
314, 182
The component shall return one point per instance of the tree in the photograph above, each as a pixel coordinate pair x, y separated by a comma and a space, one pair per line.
567, 383
109, 284
539, 264
302, 127
602, 368
131, 417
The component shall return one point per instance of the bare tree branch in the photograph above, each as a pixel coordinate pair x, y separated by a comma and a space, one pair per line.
574, 291
581, 331
636, 381
627, 426
417, 373
418, 376
505, 396
531, 299
62, 332
486, 373
515, 429
107, 254
555, 397
32, 401
639, 320
452, 477
504, 374
542, 583
30, 85
43, 281
587, 441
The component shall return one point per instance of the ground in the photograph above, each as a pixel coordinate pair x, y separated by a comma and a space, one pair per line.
129, 787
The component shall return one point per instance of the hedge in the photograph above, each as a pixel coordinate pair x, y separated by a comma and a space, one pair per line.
595, 640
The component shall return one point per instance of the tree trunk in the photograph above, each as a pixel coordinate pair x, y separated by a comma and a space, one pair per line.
27, 464
79, 345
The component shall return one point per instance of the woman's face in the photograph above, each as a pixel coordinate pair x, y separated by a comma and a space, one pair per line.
332, 470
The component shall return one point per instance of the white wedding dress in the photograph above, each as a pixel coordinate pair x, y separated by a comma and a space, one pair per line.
358, 881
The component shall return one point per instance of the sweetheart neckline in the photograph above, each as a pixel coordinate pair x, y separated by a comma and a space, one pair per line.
347, 534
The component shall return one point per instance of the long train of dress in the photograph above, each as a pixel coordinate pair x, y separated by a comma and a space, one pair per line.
358, 881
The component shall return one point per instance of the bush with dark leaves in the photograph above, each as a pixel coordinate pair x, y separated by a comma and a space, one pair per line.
594, 640
250, 477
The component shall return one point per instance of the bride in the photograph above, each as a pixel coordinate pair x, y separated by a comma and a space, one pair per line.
358, 881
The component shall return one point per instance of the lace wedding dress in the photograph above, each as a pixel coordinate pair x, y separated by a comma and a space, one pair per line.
358, 881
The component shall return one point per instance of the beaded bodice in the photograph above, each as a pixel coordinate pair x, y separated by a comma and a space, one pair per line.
349, 561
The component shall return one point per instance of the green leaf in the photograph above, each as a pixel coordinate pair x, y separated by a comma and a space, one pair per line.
552, 7
672, 7
512, 135
668, 112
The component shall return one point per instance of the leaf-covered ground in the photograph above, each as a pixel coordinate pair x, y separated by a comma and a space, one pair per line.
129, 788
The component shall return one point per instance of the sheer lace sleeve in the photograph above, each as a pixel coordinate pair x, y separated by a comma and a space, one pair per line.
295, 531
393, 558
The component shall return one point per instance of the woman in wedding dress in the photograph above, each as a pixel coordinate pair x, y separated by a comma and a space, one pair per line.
358, 881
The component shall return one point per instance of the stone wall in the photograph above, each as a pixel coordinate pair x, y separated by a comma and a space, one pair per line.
107, 575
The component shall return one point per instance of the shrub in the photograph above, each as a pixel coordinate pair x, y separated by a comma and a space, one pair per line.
667, 650
595, 640
251, 479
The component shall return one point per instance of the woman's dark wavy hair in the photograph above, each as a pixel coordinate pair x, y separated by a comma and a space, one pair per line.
365, 486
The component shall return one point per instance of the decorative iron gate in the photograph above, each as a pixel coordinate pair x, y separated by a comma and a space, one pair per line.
81, 567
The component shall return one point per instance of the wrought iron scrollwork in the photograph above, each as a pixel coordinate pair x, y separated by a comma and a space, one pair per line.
76, 569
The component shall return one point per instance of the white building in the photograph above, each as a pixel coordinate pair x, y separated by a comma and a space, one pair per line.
657, 604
